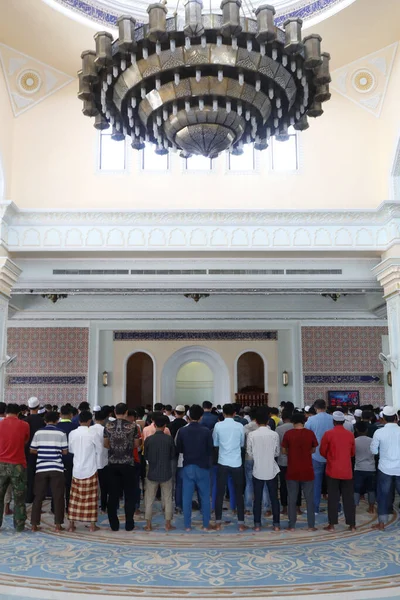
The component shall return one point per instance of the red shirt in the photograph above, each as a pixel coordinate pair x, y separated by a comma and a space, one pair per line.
338, 447
14, 434
299, 444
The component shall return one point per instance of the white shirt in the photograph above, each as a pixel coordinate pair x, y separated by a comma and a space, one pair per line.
263, 447
171, 418
386, 443
97, 431
84, 446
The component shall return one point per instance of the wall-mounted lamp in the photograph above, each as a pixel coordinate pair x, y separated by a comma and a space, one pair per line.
285, 378
389, 378
105, 378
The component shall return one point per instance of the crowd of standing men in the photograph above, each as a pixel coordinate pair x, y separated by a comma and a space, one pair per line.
267, 461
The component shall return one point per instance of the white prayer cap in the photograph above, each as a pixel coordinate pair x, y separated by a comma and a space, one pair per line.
307, 408
180, 408
96, 408
389, 411
41, 411
358, 412
33, 402
246, 410
338, 416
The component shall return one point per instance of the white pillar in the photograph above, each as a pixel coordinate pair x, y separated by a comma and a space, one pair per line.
388, 274
9, 273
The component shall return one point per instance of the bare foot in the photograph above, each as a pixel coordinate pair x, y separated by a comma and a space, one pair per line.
291, 529
243, 527
248, 513
148, 528
329, 528
188, 529
257, 528
169, 527
276, 528
59, 528
371, 509
94, 527
379, 526
351, 528
284, 510
218, 527
299, 511
312, 529
137, 512
268, 514
209, 528
7, 509
71, 528
35, 528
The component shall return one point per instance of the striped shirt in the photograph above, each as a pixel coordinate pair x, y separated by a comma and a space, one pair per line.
49, 443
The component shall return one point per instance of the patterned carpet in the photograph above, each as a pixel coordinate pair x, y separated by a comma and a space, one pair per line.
202, 565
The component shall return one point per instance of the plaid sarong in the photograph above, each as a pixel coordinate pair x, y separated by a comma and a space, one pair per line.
83, 501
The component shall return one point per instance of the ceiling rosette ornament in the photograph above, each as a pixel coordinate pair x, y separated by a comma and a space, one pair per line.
211, 83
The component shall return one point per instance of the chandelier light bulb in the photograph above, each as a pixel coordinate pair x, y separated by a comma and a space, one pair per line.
158, 82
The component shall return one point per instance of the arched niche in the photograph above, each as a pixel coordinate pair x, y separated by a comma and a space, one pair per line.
202, 354
250, 372
139, 380
194, 384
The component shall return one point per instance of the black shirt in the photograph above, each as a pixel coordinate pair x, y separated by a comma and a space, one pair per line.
35, 422
196, 445
175, 426
159, 450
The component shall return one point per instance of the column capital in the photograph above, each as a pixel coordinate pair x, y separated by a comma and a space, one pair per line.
387, 273
9, 273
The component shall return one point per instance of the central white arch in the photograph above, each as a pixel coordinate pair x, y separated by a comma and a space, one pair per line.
222, 387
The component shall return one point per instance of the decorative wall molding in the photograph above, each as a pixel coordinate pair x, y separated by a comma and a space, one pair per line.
46, 380
359, 379
194, 335
28, 80
49, 231
365, 80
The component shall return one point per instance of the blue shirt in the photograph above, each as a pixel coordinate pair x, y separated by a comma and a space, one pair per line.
195, 443
319, 424
386, 442
229, 436
209, 420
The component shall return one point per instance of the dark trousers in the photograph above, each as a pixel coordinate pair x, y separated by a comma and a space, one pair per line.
238, 483
344, 488
138, 469
68, 482
294, 488
364, 481
30, 477
103, 482
283, 491
56, 481
272, 485
385, 491
121, 478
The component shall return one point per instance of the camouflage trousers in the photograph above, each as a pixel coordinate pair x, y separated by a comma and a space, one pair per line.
14, 475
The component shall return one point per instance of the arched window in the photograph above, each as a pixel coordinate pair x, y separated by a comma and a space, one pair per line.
250, 373
139, 380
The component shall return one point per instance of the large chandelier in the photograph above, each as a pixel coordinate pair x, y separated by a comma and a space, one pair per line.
212, 83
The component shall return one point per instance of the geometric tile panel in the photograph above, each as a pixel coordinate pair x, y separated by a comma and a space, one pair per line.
28, 80
48, 350
46, 356
342, 351
365, 80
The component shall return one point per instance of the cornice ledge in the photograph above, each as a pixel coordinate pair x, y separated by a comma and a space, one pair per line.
386, 212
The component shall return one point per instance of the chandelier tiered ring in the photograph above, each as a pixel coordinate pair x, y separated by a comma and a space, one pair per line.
211, 83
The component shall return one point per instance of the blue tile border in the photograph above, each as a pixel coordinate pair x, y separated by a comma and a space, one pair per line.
91, 10
194, 335
46, 380
361, 379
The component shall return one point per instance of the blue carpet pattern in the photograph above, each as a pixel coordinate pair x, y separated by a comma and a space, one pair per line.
198, 564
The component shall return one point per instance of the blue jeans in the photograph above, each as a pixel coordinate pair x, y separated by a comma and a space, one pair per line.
249, 490
231, 488
384, 494
364, 481
319, 472
193, 476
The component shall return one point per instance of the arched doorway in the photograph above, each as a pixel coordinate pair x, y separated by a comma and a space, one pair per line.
188, 354
250, 373
139, 380
194, 384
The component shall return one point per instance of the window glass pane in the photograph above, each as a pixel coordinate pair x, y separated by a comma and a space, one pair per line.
284, 154
112, 154
243, 162
198, 163
152, 161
